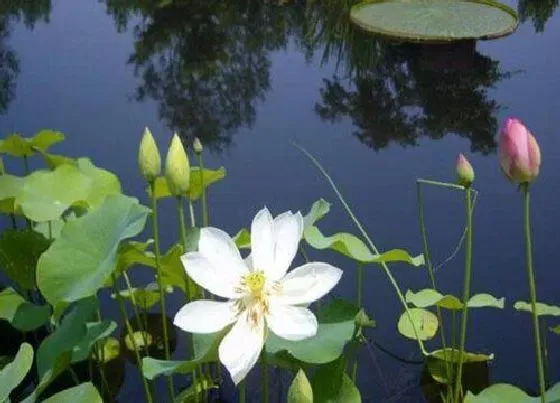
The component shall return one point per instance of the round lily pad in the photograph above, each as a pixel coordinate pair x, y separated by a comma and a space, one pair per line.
435, 21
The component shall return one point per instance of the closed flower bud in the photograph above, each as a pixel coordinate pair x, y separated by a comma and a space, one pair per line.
464, 170
149, 159
197, 145
177, 168
520, 156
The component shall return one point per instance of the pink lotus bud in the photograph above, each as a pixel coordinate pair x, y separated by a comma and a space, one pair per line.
464, 170
520, 156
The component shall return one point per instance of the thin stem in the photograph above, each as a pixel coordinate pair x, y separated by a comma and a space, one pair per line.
131, 335
157, 252
25, 165
359, 285
466, 293
265, 378
204, 201
100, 352
370, 243
533, 291
431, 272
242, 392
544, 332
183, 231
442, 184
191, 214
75, 378
135, 308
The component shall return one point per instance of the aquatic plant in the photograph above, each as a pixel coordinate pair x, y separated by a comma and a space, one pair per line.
76, 239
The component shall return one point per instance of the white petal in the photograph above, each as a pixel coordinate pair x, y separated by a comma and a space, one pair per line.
262, 240
291, 322
241, 347
308, 283
288, 230
218, 247
205, 316
219, 280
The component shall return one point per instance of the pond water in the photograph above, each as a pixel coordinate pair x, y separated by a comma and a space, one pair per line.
250, 76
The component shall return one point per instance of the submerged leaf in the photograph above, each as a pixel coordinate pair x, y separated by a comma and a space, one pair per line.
21, 314
63, 279
542, 309
425, 323
14, 372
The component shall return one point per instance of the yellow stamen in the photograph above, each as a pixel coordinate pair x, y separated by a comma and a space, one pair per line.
255, 283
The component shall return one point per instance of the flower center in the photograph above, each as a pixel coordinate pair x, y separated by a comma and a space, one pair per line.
255, 283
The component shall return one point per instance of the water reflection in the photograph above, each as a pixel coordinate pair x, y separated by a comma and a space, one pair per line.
400, 92
28, 12
537, 11
206, 63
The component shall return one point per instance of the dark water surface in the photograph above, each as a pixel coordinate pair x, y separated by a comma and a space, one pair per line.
248, 76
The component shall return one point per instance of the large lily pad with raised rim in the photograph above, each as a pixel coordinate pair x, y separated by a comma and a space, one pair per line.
435, 20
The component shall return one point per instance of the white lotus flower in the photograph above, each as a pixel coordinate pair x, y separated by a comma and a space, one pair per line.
260, 294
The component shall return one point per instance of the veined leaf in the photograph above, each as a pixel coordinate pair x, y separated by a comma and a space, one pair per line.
300, 390
63, 279
19, 146
425, 322
83, 393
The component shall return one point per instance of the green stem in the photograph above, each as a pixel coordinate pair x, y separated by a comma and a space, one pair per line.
75, 378
157, 252
431, 272
242, 392
359, 285
183, 231
466, 293
131, 335
264, 364
442, 184
533, 291
203, 196
384, 266
191, 213
135, 308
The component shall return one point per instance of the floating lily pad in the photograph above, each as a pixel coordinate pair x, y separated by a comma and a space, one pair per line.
435, 20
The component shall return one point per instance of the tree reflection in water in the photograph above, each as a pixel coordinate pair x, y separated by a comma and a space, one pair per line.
16, 11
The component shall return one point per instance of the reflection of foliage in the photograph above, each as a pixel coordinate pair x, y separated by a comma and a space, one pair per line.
28, 12
397, 92
9, 68
538, 11
205, 62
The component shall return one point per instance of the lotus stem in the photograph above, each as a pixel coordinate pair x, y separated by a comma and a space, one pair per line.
466, 293
431, 274
131, 335
204, 201
135, 308
157, 252
242, 387
533, 291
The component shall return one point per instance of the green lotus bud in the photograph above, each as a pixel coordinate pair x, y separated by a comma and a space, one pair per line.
177, 168
197, 146
149, 159
464, 170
